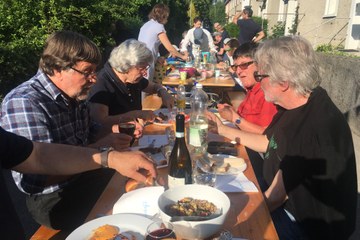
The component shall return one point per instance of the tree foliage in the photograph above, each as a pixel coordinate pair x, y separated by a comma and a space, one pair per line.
217, 13
25, 24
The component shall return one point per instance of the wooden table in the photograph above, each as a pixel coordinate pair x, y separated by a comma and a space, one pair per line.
208, 82
248, 218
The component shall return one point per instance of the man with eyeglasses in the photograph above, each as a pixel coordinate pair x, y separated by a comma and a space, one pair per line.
309, 159
253, 114
51, 107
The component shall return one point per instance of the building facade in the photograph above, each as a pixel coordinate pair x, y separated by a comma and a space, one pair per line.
332, 22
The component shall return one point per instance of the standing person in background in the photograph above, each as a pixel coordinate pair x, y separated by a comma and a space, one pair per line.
198, 36
250, 31
153, 33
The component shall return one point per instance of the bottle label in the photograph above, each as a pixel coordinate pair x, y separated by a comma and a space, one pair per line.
198, 135
179, 134
173, 181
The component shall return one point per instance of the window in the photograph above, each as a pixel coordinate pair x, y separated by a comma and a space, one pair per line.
331, 8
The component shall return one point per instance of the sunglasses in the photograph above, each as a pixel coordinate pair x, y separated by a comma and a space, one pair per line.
259, 77
242, 66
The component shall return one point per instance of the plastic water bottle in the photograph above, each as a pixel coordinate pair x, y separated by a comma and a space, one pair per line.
198, 129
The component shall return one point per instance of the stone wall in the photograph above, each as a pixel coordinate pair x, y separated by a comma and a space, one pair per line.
341, 79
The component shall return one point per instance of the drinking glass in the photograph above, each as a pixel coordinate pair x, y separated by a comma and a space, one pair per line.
129, 129
183, 76
204, 173
160, 230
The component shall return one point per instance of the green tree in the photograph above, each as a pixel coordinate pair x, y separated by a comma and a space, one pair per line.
192, 13
26, 24
217, 13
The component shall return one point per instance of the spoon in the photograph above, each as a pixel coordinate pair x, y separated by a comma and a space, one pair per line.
196, 218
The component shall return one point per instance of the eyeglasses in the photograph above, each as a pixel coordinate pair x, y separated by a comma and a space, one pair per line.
259, 77
242, 66
143, 68
86, 74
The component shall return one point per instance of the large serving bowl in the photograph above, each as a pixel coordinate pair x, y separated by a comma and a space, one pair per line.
195, 229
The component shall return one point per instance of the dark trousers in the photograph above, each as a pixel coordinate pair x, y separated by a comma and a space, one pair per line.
68, 208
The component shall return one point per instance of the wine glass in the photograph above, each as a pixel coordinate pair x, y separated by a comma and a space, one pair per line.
129, 129
160, 230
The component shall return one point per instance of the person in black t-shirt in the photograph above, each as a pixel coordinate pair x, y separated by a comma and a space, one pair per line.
309, 159
120, 84
250, 31
25, 156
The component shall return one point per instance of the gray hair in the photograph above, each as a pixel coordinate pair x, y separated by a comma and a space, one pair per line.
128, 54
290, 59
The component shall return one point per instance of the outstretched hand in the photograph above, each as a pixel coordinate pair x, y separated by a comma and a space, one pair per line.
132, 165
227, 112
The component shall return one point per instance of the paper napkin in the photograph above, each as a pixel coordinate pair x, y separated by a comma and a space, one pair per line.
143, 201
234, 183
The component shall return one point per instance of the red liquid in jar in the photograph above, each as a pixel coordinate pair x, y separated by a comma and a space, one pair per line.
161, 234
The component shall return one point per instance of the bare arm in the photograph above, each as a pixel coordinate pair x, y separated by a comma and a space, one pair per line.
228, 112
259, 36
58, 159
236, 17
276, 195
257, 142
167, 44
166, 98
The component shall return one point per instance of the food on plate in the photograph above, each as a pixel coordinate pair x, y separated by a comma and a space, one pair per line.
222, 168
132, 184
163, 118
105, 232
191, 207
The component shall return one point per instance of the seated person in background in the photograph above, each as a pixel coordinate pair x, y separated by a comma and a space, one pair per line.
219, 28
120, 83
51, 107
219, 44
254, 114
23, 155
309, 158
230, 45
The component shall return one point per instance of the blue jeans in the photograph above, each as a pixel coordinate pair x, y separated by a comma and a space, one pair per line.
285, 227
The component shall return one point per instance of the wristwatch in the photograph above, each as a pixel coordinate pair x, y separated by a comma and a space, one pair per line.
238, 121
104, 155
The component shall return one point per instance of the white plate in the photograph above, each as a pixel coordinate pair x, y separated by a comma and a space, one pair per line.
169, 122
126, 222
237, 165
142, 201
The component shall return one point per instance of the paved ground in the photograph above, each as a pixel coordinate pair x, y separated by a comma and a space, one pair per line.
30, 225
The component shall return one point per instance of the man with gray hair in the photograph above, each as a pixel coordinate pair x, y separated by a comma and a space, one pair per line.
309, 159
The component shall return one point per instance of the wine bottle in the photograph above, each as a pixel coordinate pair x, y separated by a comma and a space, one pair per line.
180, 167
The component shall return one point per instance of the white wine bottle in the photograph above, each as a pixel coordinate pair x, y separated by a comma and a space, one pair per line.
180, 167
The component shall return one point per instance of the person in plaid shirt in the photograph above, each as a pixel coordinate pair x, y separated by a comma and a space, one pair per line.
51, 107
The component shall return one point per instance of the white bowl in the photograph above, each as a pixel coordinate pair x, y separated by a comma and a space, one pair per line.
195, 229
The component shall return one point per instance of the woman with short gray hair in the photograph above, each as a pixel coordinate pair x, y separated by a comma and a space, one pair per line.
120, 84
130, 53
